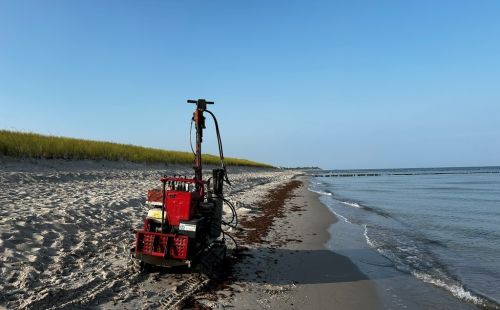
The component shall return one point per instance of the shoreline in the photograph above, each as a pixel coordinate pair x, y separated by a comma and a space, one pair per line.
297, 253
319, 261
291, 268
395, 288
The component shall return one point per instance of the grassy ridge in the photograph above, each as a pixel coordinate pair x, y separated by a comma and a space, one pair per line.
31, 145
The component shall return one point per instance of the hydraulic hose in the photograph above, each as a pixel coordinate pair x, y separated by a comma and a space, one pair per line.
224, 234
221, 151
191, 137
235, 215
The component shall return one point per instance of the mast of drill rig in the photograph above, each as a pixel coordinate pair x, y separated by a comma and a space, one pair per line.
199, 120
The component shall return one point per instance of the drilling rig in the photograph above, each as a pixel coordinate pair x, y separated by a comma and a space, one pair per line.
184, 223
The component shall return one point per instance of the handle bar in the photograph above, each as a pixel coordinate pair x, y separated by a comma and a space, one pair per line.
200, 101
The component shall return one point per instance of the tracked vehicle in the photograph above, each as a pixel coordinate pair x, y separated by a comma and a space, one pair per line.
184, 224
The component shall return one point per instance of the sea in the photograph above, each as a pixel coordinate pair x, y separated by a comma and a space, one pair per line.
439, 225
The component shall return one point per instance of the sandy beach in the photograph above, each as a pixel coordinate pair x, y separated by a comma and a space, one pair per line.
249, 155
65, 240
65, 236
65, 233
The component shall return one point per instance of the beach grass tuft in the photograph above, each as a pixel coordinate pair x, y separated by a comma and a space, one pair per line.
32, 145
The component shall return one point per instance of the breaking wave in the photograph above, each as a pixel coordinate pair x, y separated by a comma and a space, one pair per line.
327, 193
351, 204
455, 289
412, 259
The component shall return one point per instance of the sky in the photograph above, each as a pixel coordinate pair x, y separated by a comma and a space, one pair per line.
336, 84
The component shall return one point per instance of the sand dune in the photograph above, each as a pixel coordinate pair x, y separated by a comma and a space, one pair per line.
65, 233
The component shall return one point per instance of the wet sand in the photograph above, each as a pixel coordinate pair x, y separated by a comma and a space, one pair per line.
289, 267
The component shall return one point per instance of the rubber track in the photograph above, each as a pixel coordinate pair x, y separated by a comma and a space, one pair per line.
176, 299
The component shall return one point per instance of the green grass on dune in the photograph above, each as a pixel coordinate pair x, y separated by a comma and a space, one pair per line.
31, 145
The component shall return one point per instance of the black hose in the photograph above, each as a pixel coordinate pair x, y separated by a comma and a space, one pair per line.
232, 238
235, 215
233, 211
191, 137
232, 219
228, 225
163, 207
221, 151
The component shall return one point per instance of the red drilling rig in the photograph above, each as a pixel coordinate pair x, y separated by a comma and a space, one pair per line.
184, 224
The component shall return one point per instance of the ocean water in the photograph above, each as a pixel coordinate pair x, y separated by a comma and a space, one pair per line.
442, 226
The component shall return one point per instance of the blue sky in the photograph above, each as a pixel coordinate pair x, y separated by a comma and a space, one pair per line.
339, 84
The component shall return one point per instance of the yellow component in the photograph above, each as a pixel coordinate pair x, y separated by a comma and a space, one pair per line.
155, 214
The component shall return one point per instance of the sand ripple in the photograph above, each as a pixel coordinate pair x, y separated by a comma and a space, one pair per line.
65, 233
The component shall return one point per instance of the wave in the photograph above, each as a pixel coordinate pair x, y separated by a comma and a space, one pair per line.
318, 183
441, 279
366, 208
368, 240
320, 192
455, 289
341, 216
351, 204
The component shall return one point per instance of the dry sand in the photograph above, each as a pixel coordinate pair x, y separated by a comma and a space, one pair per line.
65, 233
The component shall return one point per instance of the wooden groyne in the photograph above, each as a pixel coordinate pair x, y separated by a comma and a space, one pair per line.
335, 175
374, 174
